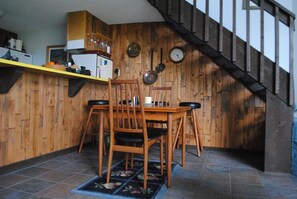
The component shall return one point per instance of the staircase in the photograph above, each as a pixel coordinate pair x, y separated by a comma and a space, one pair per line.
250, 66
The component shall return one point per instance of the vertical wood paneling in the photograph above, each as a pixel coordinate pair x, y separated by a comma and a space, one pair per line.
38, 117
230, 116
228, 108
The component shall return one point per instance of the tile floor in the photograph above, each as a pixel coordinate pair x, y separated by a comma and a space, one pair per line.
216, 174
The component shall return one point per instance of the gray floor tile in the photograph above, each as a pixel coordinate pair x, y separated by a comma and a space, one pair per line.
13, 194
221, 176
282, 193
248, 189
59, 191
11, 179
33, 186
52, 164
276, 180
213, 189
74, 168
78, 179
245, 175
55, 176
215, 174
243, 196
32, 171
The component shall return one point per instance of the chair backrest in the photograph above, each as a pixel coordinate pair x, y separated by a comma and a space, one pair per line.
126, 107
161, 95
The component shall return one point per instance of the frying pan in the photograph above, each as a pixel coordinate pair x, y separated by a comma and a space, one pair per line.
151, 76
160, 67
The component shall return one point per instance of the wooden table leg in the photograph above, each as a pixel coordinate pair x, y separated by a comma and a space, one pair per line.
100, 144
169, 148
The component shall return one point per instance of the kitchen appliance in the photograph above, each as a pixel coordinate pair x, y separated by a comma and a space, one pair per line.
99, 66
16, 55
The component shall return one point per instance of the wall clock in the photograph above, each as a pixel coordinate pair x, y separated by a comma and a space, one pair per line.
133, 49
177, 54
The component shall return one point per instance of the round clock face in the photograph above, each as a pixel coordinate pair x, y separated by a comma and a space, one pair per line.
176, 54
133, 49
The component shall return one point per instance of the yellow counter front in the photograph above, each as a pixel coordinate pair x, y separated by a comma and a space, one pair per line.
11, 71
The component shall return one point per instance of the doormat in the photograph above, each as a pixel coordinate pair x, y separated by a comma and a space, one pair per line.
128, 184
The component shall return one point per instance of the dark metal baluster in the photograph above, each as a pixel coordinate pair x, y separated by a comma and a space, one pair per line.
276, 77
194, 14
234, 32
262, 42
291, 60
206, 21
169, 7
181, 11
248, 46
221, 28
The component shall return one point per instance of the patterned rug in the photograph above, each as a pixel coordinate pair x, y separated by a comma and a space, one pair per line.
128, 184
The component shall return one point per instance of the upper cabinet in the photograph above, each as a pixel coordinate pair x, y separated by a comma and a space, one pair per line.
86, 32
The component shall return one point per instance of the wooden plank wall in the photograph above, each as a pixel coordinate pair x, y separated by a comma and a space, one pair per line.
230, 117
38, 117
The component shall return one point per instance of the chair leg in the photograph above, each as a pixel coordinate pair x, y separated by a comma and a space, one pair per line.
162, 154
86, 130
145, 167
199, 136
195, 131
109, 164
177, 135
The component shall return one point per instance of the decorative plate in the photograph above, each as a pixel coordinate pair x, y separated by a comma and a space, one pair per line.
133, 49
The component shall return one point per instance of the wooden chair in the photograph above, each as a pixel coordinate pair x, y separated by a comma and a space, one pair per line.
161, 96
128, 130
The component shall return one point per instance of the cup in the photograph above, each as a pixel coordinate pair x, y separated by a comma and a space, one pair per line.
135, 101
148, 100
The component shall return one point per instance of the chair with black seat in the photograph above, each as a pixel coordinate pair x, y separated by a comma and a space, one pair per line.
195, 124
128, 130
93, 112
161, 96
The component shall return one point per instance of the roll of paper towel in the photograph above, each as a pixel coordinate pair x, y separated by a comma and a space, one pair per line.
18, 45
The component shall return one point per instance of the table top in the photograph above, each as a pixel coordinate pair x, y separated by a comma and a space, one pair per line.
169, 109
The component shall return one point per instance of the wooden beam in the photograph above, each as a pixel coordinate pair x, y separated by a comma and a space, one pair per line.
276, 74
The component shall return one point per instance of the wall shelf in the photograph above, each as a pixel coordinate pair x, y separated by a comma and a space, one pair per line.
11, 71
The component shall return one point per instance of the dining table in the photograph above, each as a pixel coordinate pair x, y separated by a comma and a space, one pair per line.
156, 113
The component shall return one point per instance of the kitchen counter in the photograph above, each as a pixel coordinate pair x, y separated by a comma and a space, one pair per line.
11, 71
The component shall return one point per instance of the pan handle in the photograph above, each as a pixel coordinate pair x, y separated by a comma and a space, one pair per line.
161, 55
152, 55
